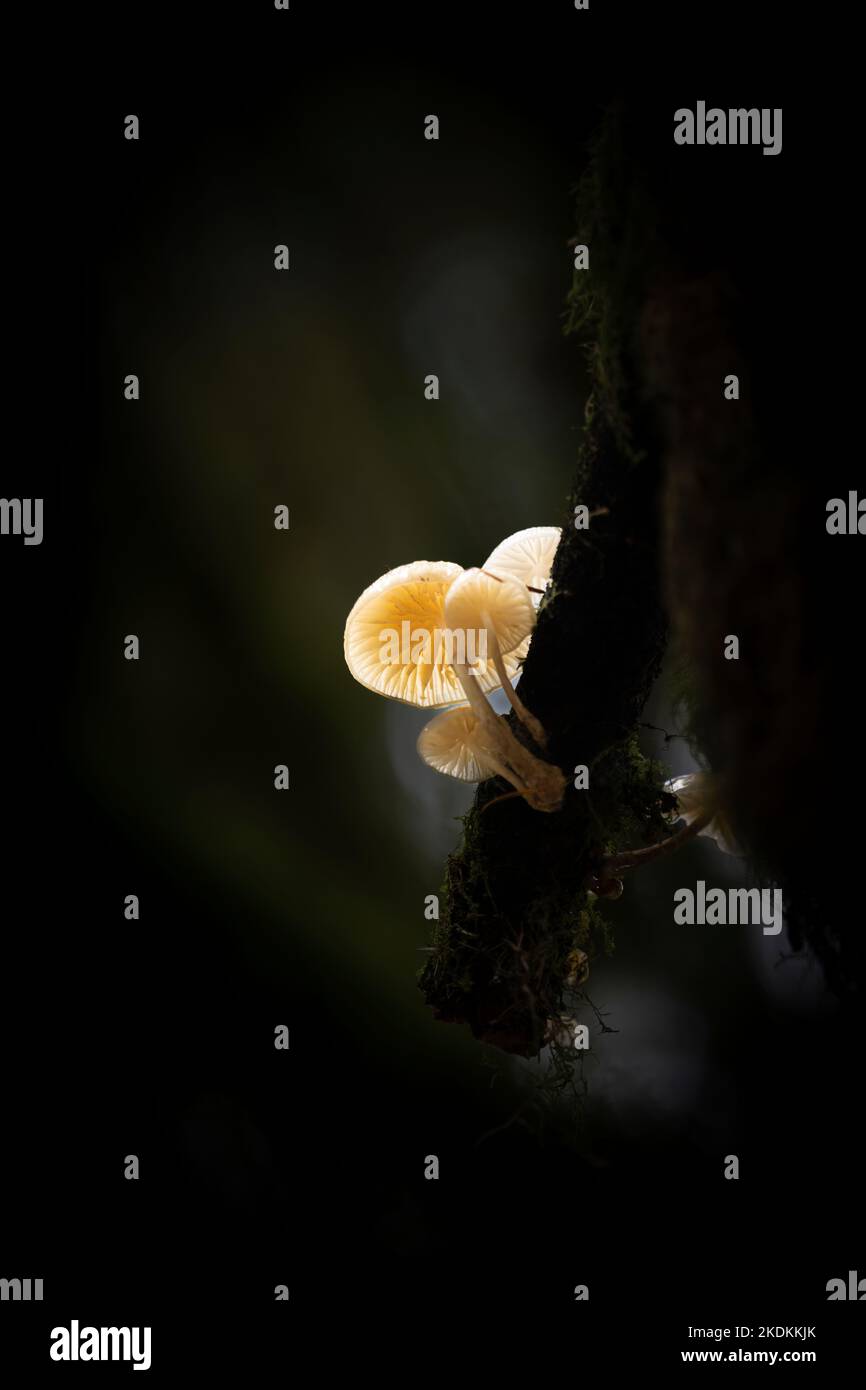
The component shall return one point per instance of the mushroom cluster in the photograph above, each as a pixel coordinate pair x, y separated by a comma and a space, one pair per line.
439, 636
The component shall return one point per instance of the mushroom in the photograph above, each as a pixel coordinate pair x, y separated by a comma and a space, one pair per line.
697, 794
526, 556
503, 610
397, 642
453, 743
461, 744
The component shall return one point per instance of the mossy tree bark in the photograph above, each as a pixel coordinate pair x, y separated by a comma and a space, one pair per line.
700, 514
515, 901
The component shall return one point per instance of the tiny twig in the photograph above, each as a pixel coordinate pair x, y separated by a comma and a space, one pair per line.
656, 730
599, 1014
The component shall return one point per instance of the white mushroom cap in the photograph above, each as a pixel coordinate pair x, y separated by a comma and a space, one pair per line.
691, 790
413, 594
451, 743
696, 792
478, 600
526, 556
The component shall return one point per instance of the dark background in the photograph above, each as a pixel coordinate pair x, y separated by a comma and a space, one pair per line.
306, 908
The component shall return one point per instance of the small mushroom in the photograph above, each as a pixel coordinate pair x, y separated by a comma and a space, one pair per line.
460, 744
526, 556
396, 641
503, 610
697, 793
453, 743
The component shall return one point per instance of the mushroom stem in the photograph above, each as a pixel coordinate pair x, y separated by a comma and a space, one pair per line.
502, 747
535, 727
542, 784
502, 770
633, 858
480, 708
505, 796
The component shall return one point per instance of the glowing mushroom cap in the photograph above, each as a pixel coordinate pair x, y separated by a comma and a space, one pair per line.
696, 793
396, 641
692, 790
478, 600
451, 743
527, 556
